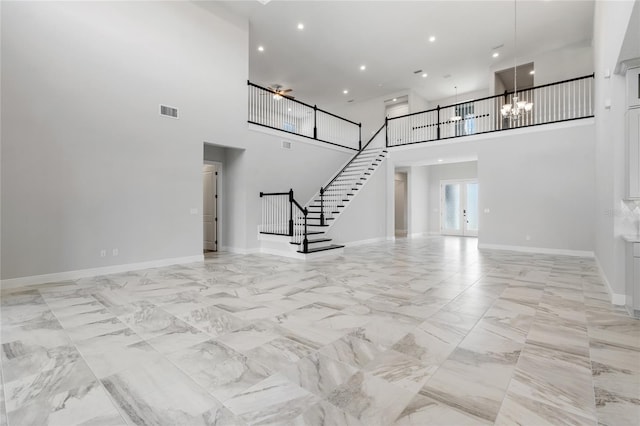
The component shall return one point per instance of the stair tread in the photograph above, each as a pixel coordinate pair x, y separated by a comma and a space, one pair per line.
317, 240
323, 248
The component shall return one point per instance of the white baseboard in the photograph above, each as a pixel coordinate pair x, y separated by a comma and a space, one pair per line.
12, 283
238, 250
616, 298
364, 242
541, 250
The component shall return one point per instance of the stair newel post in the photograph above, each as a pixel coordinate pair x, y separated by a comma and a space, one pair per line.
315, 122
305, 242
291, 212
386, 132
359, 136
321, 206
438, 118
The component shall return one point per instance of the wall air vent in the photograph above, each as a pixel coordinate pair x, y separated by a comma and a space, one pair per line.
168, 111
286, 145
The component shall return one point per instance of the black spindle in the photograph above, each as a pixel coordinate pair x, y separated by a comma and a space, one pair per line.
305, 242
315, 122
291, 212
438, 128
322, 206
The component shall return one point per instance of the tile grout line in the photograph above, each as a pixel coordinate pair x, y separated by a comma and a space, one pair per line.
523, 346
73, 342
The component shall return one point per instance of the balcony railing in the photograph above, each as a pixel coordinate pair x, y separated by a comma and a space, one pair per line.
552, 103
281, 112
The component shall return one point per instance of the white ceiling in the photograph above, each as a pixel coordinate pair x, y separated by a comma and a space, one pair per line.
391, 39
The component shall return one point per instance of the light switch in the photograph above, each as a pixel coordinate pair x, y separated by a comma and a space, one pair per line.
194, 211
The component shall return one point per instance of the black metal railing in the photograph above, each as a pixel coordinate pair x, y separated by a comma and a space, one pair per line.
562, 101
329, 203
270, 109
283, 215
552, 103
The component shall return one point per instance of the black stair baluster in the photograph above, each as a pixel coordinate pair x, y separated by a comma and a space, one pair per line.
322, 206
291, 212
305, 242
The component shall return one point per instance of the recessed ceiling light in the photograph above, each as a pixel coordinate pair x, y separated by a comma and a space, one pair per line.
432, 39
425, 75
363, 67
260, 49
345, 91
439, 160
532, 72
289, 109
395, 99
495, 54
301, 26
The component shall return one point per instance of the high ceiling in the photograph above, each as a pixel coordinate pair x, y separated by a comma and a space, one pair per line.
392, 39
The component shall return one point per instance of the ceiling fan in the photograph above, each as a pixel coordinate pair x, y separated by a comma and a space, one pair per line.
279, 92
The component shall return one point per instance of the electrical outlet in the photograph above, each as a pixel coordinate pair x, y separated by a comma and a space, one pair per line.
103, 253
114, 252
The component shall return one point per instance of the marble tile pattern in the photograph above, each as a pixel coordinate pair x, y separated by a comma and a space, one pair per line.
415, 332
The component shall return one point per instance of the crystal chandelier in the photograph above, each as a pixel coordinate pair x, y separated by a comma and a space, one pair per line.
516, 108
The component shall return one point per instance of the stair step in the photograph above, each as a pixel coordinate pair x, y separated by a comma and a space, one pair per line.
323, 248
313, 233
316, 241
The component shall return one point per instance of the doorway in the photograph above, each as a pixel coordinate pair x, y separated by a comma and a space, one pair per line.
459, 207
400, 204
210, 207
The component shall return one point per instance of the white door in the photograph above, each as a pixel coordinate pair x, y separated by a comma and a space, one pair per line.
459, 207
401, 204
210, 207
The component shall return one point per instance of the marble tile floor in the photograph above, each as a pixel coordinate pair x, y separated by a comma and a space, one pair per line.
413, 332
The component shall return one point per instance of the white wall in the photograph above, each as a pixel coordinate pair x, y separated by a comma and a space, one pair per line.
88, 163
571, 61
418, 200
437, 173
611, 21
536, 182
462, 97
366, 216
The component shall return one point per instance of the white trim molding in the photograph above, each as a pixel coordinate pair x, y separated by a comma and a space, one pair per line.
541, 250
616, 298
13, 283
364, 242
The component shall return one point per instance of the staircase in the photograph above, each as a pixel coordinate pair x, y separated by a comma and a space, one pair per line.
328, 204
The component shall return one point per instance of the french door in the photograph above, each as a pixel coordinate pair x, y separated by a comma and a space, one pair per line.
459, 207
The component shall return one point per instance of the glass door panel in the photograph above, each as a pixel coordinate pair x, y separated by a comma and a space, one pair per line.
451, 205
459, 208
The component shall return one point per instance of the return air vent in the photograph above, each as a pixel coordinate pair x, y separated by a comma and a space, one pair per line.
286, 145
168, 111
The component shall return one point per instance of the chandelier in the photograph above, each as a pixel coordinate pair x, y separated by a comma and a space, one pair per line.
516, 108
